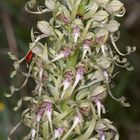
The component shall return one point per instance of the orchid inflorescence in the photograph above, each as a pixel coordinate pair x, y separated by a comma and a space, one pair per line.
72, 59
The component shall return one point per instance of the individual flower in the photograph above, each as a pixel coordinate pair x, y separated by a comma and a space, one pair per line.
86, 47
48, 111
67, 82
58, 132
76, 121
79, 74
84, 109
63, 18
97, 95
101, 39
40, 113
63, 54
45, 108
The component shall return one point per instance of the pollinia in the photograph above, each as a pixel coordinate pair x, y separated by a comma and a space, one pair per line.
72, 59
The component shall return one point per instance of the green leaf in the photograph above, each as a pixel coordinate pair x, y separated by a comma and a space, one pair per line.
86, 29
63, 115
75, 9
81, 9
73, 59
45, 130
89, 131
82, 94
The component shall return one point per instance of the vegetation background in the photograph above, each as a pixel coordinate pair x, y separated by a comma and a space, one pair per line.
15, 26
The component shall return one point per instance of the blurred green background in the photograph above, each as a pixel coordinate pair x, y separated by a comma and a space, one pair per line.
15, 26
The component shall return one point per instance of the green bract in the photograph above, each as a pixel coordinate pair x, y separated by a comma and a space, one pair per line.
72, 59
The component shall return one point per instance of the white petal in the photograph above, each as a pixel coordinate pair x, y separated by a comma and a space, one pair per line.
103, 49
99, 108
103, 137
49, 113
33, 132
56, 134
76, 121
61, 55
38, 118
76, 35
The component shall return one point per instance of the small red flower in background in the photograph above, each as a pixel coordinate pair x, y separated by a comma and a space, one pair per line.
29, 57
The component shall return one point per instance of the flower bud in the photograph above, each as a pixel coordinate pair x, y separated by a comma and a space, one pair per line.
45, 28
63, 18
102, 2
50, 4
114, 6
